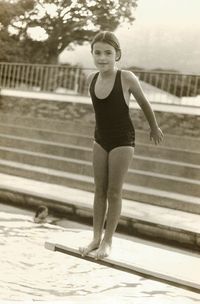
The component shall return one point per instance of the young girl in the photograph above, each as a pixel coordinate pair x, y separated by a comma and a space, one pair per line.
114, 135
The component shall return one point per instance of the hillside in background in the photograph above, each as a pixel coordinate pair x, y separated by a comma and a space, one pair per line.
163, 47
149, 49
165, 34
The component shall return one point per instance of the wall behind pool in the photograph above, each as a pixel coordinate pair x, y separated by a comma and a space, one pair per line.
173, 119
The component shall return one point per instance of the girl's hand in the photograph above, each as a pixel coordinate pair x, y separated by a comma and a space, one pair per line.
156, 135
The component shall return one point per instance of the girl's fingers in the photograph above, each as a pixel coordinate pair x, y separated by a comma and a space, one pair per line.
157, 137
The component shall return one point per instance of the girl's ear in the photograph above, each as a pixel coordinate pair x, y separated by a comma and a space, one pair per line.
118, 55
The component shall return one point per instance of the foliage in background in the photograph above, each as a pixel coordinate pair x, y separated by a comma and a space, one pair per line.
37, 31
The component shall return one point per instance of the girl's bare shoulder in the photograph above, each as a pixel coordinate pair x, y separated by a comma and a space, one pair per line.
130, 80
128, 76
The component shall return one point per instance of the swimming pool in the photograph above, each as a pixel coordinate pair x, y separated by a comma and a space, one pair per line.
29, 272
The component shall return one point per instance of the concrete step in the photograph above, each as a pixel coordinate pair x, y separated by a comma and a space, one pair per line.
161, 152
48, 135
143, 163
46, 160
47, 124
169, 167
133, 192
149, 163
136, 177
164, 182
41, 125
150, 221
172, 141
47, 147
44, 146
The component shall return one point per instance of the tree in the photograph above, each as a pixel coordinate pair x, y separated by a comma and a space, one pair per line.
11, 47
60, 22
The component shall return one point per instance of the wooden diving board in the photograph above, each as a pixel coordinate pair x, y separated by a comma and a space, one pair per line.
173, 267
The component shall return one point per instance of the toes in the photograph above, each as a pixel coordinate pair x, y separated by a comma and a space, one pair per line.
100, 255
83, 251
86, 251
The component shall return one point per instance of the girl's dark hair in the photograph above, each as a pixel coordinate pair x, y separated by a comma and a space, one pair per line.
41, 209
110, 38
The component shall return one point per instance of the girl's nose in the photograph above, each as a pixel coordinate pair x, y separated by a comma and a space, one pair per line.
102, 56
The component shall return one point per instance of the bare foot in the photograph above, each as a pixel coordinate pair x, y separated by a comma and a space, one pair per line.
92, 246
103, 251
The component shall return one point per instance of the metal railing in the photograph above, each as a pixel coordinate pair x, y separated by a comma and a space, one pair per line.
42, 77
160, 86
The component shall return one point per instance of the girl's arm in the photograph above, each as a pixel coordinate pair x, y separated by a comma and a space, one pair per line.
135, 89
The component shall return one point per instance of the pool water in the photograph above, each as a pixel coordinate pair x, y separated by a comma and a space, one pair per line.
29, 272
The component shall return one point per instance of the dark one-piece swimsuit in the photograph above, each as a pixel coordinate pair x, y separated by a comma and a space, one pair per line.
114, 127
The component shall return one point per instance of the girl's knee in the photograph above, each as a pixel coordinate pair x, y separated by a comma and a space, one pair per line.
114, 194
101, 192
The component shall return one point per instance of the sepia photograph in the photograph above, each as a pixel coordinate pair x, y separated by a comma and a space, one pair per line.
100, 151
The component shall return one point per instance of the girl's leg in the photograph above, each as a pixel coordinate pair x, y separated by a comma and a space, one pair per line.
100, 167
118, 164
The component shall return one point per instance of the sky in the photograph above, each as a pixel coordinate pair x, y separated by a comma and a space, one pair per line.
168, 12
165, 33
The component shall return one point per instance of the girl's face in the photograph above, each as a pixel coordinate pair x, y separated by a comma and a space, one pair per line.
104, 56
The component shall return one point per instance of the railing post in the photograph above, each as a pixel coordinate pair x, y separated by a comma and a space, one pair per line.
0, 75
76, 80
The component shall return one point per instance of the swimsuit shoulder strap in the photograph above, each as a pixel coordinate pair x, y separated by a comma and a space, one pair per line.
92, 84
118, 84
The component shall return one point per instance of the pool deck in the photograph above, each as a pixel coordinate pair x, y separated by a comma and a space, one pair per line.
175, 226
162, 106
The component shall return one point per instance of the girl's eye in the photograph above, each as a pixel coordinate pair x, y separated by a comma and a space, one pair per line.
98, 53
